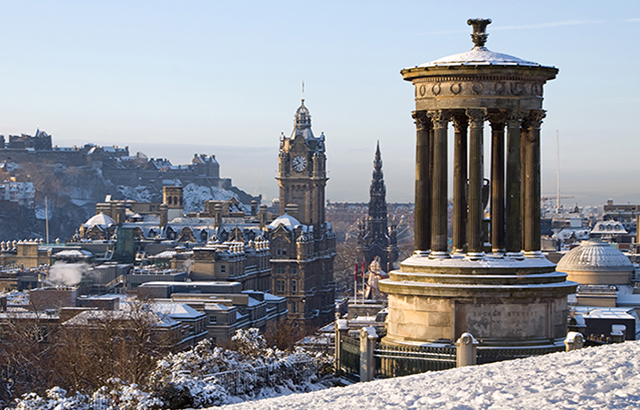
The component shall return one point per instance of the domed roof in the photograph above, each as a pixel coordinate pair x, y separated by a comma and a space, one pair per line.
594, 255
101, 220
302, 124
286, 220
480, 55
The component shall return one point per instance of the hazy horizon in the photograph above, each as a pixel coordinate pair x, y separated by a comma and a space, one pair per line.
172, 79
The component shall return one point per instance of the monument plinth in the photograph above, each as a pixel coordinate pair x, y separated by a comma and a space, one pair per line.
511, 295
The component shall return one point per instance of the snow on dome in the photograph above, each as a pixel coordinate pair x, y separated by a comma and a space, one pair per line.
594, 255
286, 220
101, 220
480, 55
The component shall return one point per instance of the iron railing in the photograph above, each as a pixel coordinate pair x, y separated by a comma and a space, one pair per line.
350, 359
395, 361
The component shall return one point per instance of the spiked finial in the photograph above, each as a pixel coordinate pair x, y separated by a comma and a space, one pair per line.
479, 36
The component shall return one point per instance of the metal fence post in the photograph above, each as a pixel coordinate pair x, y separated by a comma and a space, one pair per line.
368, 338
466, 350
574, 341
342, 327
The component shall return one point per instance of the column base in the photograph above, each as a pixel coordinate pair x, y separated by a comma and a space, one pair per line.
534, 254
439, 255
475, 255
423, 254
515, 255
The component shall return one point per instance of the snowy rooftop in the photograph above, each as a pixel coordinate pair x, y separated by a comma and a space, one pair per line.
480, 55
594, 255
592, 378
286, 220
101, 220
176, 310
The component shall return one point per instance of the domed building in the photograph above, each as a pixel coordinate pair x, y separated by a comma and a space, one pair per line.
603, 272
98, 227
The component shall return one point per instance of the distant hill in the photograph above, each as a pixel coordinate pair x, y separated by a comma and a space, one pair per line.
74, 179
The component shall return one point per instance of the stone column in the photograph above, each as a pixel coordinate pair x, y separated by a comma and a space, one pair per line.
422, 237
531, 220
497, 121
439, 185
460, 124
475, 245
513, 233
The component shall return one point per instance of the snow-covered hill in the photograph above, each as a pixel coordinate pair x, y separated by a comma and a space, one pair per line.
593, 378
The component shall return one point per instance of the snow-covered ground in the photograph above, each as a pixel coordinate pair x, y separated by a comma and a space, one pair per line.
593, 378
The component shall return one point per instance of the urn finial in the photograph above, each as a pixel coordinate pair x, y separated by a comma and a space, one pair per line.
479, 36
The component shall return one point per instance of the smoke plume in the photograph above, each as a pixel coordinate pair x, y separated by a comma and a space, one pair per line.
68, 274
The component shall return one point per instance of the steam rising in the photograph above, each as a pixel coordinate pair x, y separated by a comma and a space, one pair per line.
67, 274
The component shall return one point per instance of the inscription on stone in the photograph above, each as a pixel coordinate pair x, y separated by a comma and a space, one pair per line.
503, 321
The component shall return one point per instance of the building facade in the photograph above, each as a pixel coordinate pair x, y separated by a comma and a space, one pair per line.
302, 243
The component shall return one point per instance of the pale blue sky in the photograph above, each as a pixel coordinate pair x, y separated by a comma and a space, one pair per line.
174, 78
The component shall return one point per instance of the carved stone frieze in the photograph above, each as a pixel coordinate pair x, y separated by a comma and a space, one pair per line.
475, 87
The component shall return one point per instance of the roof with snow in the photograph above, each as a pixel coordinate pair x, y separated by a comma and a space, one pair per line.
480, 55
594, 255
101, 220
176, 310
286, 220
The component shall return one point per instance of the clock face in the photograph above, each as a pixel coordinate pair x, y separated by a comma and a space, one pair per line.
299, 163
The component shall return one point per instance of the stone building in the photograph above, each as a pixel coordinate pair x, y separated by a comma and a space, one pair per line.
507, 294
302, 243
375, 237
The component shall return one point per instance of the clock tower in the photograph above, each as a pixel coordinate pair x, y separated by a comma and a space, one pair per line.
302, 244
302, 171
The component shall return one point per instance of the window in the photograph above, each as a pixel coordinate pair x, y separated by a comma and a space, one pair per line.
294, 270
280, 286
294, 286
294, 307
280, 270
223, 268
284, 251
213, 320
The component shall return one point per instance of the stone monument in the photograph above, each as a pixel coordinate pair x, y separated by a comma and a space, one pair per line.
506, 293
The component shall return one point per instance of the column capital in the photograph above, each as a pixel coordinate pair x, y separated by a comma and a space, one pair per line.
421, 120
497, 119
460, 121
439, 118
476, 116
515, 116
534, 119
